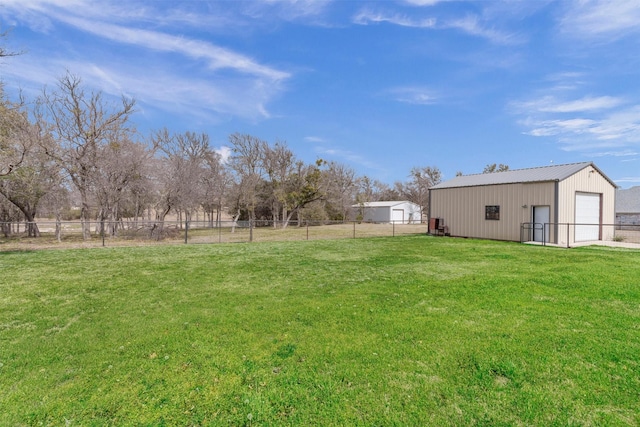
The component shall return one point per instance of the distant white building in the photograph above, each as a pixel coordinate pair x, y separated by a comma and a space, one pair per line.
392, 212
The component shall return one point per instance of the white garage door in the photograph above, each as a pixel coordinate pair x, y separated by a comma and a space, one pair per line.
398, 216
587, 212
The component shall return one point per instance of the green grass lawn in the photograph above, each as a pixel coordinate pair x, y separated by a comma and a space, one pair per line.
383, 331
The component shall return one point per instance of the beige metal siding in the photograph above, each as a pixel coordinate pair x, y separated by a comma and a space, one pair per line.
463, 209
588, 180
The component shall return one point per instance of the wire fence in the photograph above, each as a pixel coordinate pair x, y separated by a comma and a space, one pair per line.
69, 234
574, 234
46, 234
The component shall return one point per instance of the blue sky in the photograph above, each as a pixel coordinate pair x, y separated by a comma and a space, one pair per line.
380, 86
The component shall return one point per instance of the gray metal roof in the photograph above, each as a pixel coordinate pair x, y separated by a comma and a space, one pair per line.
516, 176
389, 203
628, 201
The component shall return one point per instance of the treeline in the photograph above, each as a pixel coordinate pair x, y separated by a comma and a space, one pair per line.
72, 154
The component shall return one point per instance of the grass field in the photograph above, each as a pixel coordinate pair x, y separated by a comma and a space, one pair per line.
382, 331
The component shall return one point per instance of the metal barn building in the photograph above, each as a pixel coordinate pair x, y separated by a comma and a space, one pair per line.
560, 204
392, 212
628, 206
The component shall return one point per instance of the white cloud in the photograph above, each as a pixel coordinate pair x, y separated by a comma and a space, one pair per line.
594, 125
32, 75
159, 88
293, 9
619, 129
601, 18
222, 83
216, 56
550, 104
365, 17
623, 153
424, 2
348, 156
36, 12
565, 82
225, 153
314, 139
269, 13
560, 127
413, 95
470, 24
628, 179
190, 96
93, 20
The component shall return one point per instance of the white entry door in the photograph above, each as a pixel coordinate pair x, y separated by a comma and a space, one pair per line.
541, 223
588, 213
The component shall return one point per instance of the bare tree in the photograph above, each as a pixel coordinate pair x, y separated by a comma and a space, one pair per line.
4, 52
32, 178
279, 164
26, 173
341, 184
83, 122
182, 173
247, 162
14, 127
216, 181
373, 190
386, 192
123, 169
492, 168
56, 200
416, 189
367, 192
9, 215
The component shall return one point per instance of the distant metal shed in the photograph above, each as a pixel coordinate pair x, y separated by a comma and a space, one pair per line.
395, 211
628, 206
558, 204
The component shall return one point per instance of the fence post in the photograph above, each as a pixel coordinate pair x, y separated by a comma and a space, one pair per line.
393, 229
186, 231
102, 231
307, 229
354, 229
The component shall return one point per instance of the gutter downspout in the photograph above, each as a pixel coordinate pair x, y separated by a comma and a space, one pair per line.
556, 209
428, 208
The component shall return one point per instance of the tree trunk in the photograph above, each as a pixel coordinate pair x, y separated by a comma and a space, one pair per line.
158, 228
31, 226
58, 228
29, 213
274, 215
84, 214
252, 216
285, 217
286, 222
235, 222
135, 213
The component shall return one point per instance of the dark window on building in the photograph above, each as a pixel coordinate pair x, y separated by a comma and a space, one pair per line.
492, 212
